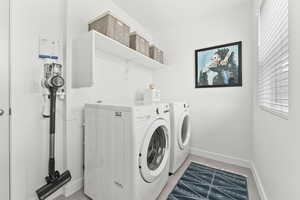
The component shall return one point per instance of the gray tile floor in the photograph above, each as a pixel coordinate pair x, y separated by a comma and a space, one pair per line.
252, 189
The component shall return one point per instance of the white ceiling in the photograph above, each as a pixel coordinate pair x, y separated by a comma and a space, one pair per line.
155, 14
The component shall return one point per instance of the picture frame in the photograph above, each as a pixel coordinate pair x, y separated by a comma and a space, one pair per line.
219, 66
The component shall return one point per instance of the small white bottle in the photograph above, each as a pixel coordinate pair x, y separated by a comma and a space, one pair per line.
151, 95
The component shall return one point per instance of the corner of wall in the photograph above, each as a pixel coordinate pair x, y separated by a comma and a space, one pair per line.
258, 182
73, 186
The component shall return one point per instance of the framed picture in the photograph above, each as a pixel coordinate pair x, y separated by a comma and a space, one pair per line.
219, 66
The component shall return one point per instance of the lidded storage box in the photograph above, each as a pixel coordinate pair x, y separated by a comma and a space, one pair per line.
156, 54
111, 27
139, 43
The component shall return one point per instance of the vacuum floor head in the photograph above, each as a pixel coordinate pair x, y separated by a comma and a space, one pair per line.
51, 187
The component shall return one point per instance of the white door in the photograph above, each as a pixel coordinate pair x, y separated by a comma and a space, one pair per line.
4, 99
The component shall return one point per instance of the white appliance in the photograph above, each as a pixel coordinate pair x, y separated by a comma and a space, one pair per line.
127, 151
180, 134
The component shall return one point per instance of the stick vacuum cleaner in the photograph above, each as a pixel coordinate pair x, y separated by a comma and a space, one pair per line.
53, 81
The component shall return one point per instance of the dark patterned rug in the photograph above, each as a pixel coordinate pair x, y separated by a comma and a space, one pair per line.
200, 182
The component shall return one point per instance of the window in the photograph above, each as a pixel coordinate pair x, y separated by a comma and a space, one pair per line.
273, 56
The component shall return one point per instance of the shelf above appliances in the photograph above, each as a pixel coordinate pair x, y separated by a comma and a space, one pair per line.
84, 51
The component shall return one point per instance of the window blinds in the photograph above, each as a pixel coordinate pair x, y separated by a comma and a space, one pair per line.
273, 56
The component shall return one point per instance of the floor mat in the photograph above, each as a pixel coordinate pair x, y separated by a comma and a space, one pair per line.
200, 182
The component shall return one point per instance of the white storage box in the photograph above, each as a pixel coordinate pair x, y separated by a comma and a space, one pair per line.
151, 96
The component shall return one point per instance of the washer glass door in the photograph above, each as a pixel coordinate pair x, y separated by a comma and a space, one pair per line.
154, 151
156, 148
183, 132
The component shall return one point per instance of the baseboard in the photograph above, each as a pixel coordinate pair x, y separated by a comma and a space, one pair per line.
67, 191
73, 186
258, 182
52, 197
220, 157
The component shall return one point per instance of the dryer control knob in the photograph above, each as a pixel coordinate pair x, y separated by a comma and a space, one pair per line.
157, 111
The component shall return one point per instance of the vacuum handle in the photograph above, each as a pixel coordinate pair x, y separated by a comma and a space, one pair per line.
51, 167
53, 92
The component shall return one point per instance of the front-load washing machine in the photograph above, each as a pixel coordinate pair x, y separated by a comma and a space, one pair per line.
180, 134
127, 149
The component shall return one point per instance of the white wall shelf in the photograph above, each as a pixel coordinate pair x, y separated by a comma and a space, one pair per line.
84, 53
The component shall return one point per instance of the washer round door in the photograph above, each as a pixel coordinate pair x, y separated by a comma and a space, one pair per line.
155, 150
184, 130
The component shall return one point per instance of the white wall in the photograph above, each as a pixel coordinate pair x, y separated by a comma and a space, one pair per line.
276, 141
30, 132
114, 78
221, 117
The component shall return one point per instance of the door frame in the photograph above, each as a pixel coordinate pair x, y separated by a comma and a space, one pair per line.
7, 106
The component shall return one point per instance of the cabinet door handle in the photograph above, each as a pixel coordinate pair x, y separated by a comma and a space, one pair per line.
1, 112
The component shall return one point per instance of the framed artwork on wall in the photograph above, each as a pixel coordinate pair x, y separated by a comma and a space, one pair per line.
219, 66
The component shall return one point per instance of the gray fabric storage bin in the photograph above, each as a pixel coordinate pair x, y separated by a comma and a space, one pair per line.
139, 43
111, 27
156, 54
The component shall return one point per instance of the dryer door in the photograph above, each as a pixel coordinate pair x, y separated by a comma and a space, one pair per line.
184, 130
154, 154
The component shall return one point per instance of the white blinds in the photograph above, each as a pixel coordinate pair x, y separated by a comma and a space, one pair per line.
273, 56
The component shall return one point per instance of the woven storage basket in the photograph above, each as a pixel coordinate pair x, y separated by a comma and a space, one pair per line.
156, 54
111, 27
139, 43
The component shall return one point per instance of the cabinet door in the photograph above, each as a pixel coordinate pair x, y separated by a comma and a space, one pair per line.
120, 153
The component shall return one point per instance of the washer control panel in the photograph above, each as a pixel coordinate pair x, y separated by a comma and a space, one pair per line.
164, 108
154, 110
186, 105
